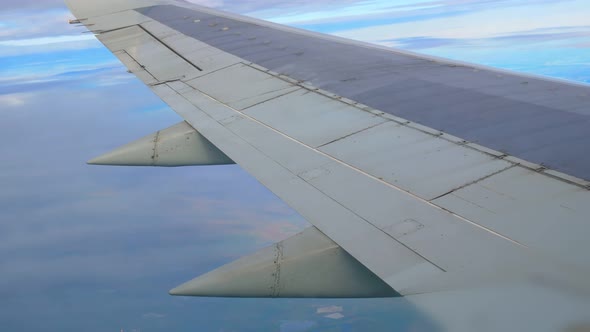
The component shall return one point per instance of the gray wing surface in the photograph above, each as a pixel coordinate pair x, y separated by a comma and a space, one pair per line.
439, 181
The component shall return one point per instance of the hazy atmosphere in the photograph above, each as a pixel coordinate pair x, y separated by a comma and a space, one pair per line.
87, 248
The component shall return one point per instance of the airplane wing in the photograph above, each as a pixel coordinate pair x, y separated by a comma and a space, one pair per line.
462, 188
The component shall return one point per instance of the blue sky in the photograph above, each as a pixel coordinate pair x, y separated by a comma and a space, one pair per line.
97, 249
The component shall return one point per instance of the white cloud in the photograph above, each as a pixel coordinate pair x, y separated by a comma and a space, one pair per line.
47, 45
14, 100
53, 70
25, 24
329, 309
10, 5
46, 40
360, 8
335, 316
481, 24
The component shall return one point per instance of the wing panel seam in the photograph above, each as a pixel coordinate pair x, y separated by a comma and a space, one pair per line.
474, 182
168, 47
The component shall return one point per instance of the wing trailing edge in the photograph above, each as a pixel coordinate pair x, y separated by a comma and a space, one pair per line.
307, 265
179, 145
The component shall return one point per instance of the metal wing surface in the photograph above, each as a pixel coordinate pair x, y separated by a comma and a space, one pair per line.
460, 187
